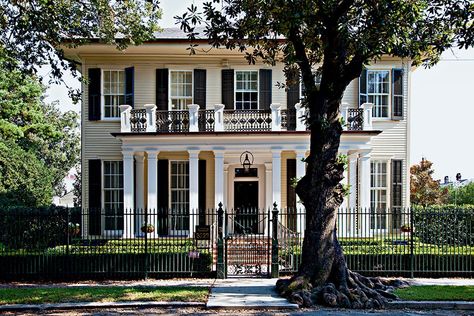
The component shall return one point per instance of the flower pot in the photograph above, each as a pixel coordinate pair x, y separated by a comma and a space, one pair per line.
148, 229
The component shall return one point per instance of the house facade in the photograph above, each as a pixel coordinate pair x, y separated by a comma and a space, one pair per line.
162, 129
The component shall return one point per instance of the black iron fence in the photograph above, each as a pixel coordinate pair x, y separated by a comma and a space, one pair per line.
74, 243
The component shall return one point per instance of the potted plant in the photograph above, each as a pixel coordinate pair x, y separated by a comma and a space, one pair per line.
149, 228
405, 228
74, 229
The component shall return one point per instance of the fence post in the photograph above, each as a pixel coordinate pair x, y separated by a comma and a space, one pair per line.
275, 267
68, 228
220, 267
412, 257
146, 245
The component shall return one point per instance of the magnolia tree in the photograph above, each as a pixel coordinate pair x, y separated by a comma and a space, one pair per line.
333, 39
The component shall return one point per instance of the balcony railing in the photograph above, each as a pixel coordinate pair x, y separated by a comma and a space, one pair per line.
276, 119
247, 120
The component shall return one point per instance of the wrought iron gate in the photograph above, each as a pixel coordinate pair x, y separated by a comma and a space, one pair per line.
248, 243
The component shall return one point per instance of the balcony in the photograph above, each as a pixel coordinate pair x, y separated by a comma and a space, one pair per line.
150, 120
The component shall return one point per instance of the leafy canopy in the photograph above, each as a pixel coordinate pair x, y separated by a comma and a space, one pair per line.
336, 37
424, 190
34, 31
462, 195
36, 127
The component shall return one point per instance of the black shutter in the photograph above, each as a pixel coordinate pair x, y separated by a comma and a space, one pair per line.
228, 88
95, 197
202, 192
397, 94
265, 91
397, 192
130, 86
363, 87
200, 87
94, 94
163, 188
293, 92
291, 193
162, 89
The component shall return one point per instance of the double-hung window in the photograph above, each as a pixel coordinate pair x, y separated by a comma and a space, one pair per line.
113, 195
378, 92
378, 194
246, 90
113, 90
181, 92
179, 202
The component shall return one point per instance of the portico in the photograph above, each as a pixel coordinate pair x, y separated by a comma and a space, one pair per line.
158, 173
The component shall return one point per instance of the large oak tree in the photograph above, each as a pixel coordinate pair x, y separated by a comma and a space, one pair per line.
334, 38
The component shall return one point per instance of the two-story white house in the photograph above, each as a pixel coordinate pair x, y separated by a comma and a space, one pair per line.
163, 129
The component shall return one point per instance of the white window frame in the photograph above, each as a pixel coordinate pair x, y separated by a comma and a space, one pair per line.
109, 232
172, 231
235, 88
102, 95
377, 225
170, 83
389, 109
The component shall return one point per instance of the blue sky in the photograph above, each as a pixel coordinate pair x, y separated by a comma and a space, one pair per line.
442, 109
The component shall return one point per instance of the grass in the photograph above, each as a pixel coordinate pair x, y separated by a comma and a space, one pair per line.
436, 293
101, 294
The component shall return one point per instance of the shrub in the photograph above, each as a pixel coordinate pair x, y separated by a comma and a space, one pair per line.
444, 225
36, 229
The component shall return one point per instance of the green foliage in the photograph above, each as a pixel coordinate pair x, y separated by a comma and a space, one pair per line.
424, 190
461, 195
24, 179
37, 127
35, 32
36, 229
436, 293
444, 225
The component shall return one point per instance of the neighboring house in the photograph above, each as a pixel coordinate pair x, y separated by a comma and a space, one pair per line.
162, 129
66, 200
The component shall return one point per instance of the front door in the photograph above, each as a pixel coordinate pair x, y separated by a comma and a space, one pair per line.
246, 207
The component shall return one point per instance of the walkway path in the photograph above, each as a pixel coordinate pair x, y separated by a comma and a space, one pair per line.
247, 293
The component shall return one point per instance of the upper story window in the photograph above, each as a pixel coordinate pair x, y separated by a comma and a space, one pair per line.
181, 92
246, 90
113, 90
378, 92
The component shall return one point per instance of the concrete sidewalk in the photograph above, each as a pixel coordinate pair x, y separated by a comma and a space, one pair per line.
442, 281
240, 293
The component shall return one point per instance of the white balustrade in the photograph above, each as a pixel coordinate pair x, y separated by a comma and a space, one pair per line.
125, 116
150, 117
193, 117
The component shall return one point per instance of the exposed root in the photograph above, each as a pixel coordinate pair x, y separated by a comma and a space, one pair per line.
358, 292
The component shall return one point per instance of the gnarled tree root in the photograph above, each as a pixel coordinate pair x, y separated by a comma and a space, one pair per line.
357, 292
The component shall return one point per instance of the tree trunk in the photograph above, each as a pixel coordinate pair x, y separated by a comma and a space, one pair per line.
323, 277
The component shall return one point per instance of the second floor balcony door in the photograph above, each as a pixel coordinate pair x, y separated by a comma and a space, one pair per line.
181, 89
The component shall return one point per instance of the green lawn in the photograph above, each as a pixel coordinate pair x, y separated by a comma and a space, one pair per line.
101, 294
436, 293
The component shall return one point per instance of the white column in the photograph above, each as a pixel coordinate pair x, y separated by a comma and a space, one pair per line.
140, 191
345, 114
193, 117
150, 117
352, 198
276, 177
268, 187
276, 117
364, 192
193, 189
128, 192
125, 126
219, 117
152, 189
300, 210
343, 218
219, 177
300, 113
367, 116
